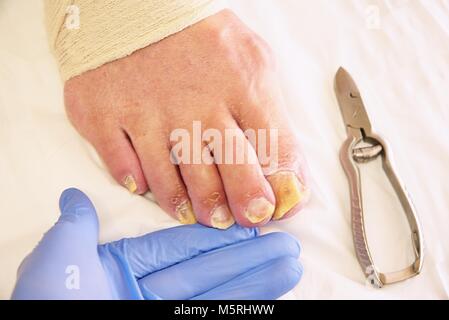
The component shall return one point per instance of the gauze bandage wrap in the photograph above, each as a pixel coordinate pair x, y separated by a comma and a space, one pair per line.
85, 34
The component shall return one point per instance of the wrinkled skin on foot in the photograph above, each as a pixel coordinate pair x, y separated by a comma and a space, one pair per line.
217, 72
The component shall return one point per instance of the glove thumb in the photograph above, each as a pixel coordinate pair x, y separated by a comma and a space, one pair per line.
67, 251
78, 215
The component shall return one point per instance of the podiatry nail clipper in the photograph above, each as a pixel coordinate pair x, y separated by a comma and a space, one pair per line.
363, 146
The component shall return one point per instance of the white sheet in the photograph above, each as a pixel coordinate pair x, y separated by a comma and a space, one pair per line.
398, 51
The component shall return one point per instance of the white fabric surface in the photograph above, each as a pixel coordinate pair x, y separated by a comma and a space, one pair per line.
401, 64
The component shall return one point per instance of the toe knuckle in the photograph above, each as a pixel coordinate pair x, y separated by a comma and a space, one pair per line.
260, 51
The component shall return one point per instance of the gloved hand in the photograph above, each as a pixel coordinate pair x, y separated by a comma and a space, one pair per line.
188, 262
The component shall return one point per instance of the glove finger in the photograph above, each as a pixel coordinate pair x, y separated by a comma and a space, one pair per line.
266, 282
209, 270
162, 249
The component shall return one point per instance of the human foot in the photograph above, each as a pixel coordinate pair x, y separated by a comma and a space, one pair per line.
217, 73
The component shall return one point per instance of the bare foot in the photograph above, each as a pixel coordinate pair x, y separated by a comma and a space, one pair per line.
217, 73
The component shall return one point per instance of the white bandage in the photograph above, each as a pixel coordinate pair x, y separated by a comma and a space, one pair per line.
85, 34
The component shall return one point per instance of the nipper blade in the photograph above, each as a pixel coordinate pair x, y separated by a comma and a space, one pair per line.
351, 103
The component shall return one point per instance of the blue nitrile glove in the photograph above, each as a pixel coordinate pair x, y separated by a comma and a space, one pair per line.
188, 262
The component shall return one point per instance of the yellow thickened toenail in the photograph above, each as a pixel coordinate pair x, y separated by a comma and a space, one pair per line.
184, 213
130, 184
259, 210
289, 192
222, 218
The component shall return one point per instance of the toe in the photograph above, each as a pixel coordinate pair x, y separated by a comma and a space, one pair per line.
278, 151
207, 195
248, 192
163, 178
119, 155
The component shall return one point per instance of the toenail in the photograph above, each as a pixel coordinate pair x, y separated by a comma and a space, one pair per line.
222, 218
184, 213
259, 210
289, 191
130, 183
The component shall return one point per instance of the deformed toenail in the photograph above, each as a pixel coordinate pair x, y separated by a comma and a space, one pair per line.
130, 183
289, 191
184, 213
221, 218
259, 210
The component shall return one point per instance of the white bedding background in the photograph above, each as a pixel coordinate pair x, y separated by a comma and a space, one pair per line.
398, 52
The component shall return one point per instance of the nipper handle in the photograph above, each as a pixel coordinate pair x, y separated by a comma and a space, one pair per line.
348, 157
